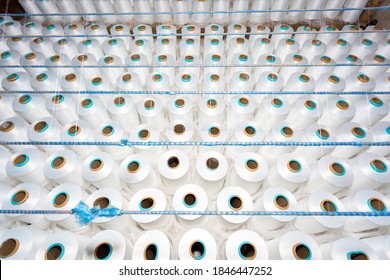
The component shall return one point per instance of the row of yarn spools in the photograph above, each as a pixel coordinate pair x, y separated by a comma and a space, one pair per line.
192, 11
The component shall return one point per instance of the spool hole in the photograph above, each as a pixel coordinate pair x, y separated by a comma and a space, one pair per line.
60, 200
82, 58
173, 162
24, 99
378, 165
40, 126
215, 78
243, 101
102, 202
96, 165
212, 103
214, 131
287, 131
70, 77
57, 99
144, 134
197, 250
108, 130
252, 165
133, 167
151, 252
20, 160
212, 163
147, 203
301, 251
377, 204
6, 126
179, 129
247, 251
54, 252
250, 131
119, 101
323, 133
74, 130
337, 169
9, 247
310, 104
149, 104
358, 132
377, 101
342, 105
190, 199
281, 202
357, 256
235, 203
179, 103
294, 166
58, 162
103, 251
328, 206
19, 197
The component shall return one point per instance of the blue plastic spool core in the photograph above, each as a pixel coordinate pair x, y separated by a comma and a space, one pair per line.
235, 203
9, 23
243, 57
352, 58
270, 58
139, 43
328, 206
284, 27
135, 57
197, 250
41, 126
87, 42
21, 160
19, 197
25, 99
301, 251
358, 132
367, 42
112, 42
331, 28
294, 166
214, 42
103, 251
50, 27
342, 42
337, 168
378, 165
186, 78
357, 256
55, 252
146, 204
388, 130
323, 134
377, 102
108, 130
190, 42
60, 199
247, 251
5, 55
376, 204
157, 78
87, 103
190, 200
215, 57
334, 79
97, 81
189, 58
273, 77
162, 58
304, 78
214, 27
151, 252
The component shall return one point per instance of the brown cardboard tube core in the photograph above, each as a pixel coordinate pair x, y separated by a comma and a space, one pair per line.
86, 103
24, 99
323, 132
97, 80
379, 165
102, 251
191, 28
20, 197
190, 41
173, 162
95, 27
119, 28
334, 79
315, 42
214, 28
126, 78
294, 166
179, 129
377, 101
149, 104
301, 251
144, 134
277, 102
363, 78
357, 131
215, 78
147, 203
359, 256
214, 131
250, 131
135, 57
305, 78
142, 28
57, 99
180, 103
133, 167
7, 126
328, 206
212, 103
260, 27
336, 168
53, 253
150, 253
248, 251
290, 42
197, 249
59, 162
342, 105
163, 57
240, 41
157, 78
235, 203
38, 40
139, 43
96, 165
19, 160
40, 126
379, 58
244, 77
252, 165
12, 77
165, 41
73, 26
109, 59
325, 59
74, 130
119, 101
70, 77
186, 77
102, 202
377, 204
298, 58
281, 202
82, 58
108, 130
212, 163
16, 39
287, 131
61, 200
9, 247
244, 101
310, 104
62, 42
31, 56
190, 199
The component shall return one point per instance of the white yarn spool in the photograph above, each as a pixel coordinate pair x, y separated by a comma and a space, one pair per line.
137, 172
214, 82
163, 6
268, 82
91, 110
331, 174
53, 32
187, 83
370, 111
240, 71
215, 65
370, 201
190, 32
381, 84
122, 109
111, 68
352, 16
305, 111
18, 81
221, 7
180, 131
68, 7
259, 17
64, 167
143, 6
62, 108
42, 45
237, 200
46, 81
336, 112
19, 44
378, 68
211, 110
61, 65
66, 47
85, 7
353, 132
327, 34
380, 133
201, 6
197, 244
249, 171
141, 46
304, 33
163, 64
293, 73
363, 48
268, 63
121, 30
321, 65
30, 107
380, 244
11, 58
5, 179
295, 17
115, 46
6, 110
182, 8
374, 34
14, 129
100, 86
236, 45
241, 108
272, 110
290, 171
133, 62
298, 82
312, 48
213, 132
180, 108
167, 30
143, 32
319, 134
278, 5
211, 171
348, 249
97, 31
146, 133
12, 28
384, 48
190, 46
350, 33
33, 29
112, 132
49, 7
329, 83
280, 29
371, 171
357, 81
152, 245
151, 111
81, 61
45, 129
190, 66
214, 31
314, 5
103, 6
261, 46
337, 48
286, 47
30, 8
91, 46
238, 16
333, 4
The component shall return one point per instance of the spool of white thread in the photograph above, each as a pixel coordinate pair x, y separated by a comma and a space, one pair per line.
272, 110
85, 8
190, 46
363, 48
182, 8
211, 109
121, 30
164, 63
353, 15
214, 31
305, 111
11, 58
278, 5
213, 132
30, 8
295, 72
97, 31
304, 33
143, 6
111, 68
294, 17
122, 110
61, 65
312, 48
258, 6
314, 5
378, 68
350, 33
370, 110
333, 4
180, 108
91, 110
236, 45
81, 61
268, 82
214, 82
357, 81
320, 65
62, 108
103, 6
380, 133
331, 174
240, 72
280, 29
286, 47
215, 65
327, 34
351, 132
12, 28
299, 82
141, 46
68, 7
14, 129
66, 47
383, 48
134, 61
337, 48
268, 63
163, 6
241, 108
146, 133
190, 32
6, 110
238, 16
151, 111
179, 131
115, 46
19, 44
144, 32
91, 46
381, 84
201, 6
42, 45
30, 107
53, 32
7, 181
190, 66
261, 46
45, 129
33, 29
100, 86
221, 8
49, 7
46, 81
336, 112
329, 83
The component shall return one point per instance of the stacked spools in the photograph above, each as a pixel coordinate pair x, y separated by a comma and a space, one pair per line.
108, 87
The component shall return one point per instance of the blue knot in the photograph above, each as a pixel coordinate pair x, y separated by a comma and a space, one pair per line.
124, 142
86, 215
